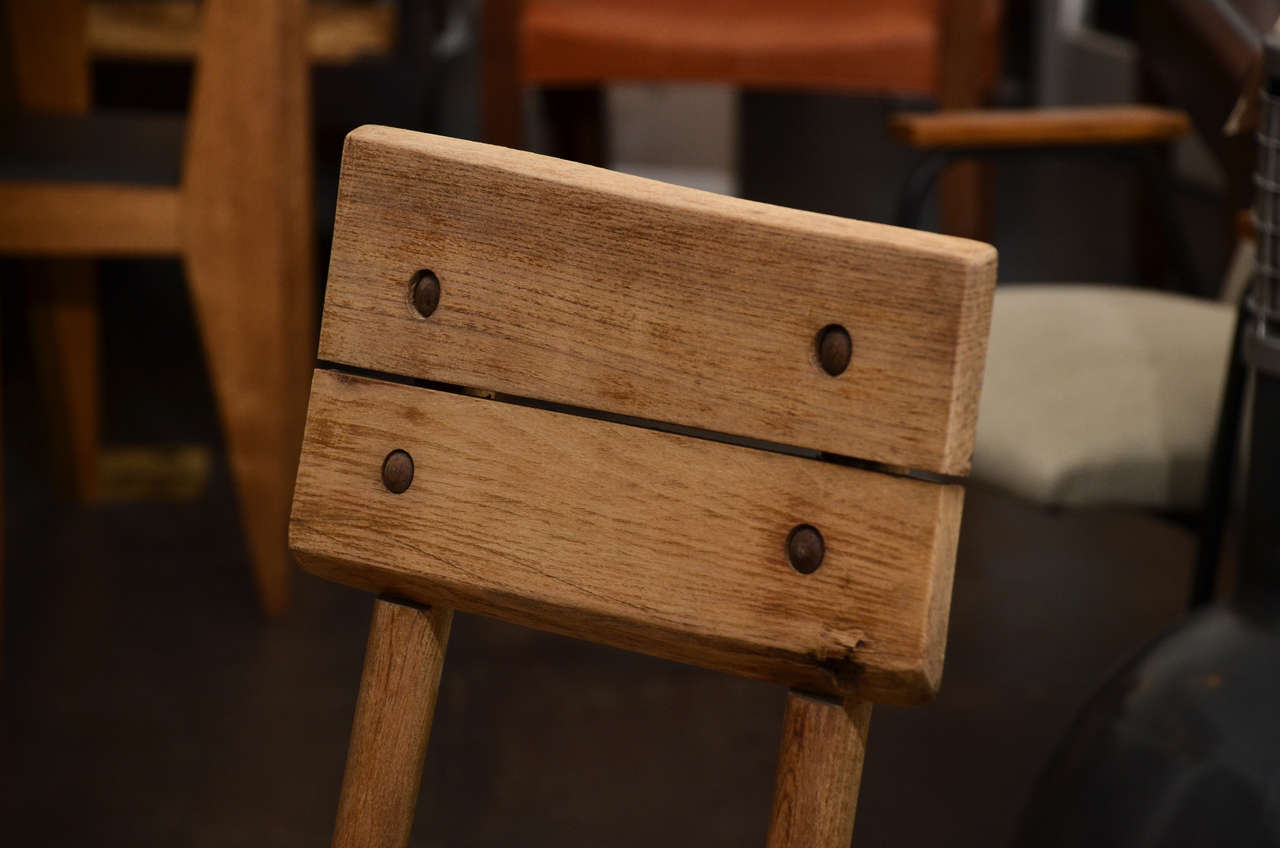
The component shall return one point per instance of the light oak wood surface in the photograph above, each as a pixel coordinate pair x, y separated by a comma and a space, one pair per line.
602, 290
819, 771
398, 690
649, 541
337, 33
1022, 127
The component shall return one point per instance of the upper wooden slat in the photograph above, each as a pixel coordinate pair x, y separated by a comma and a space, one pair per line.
649, 541
592, 288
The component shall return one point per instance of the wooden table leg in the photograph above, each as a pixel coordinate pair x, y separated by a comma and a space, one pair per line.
819, 769
393, 721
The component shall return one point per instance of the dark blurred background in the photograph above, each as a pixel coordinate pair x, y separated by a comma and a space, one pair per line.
145, 700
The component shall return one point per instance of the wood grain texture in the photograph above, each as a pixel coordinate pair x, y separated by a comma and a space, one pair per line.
337, 33
588, 287
398, 689
246, 235
1023, 127
649, 541
819, 770
88, 220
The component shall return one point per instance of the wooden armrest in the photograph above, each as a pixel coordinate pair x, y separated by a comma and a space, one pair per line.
1101, 125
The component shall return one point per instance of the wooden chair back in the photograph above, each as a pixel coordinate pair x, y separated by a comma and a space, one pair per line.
693, 426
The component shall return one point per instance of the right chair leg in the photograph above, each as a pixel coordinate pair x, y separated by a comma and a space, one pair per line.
402, 666
815, 794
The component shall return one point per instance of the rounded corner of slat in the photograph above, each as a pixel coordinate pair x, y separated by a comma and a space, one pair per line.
368, 136
366, 131
979, 261
985, 259
909, 686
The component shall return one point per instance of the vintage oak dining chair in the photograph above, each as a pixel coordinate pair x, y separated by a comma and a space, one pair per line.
698, 427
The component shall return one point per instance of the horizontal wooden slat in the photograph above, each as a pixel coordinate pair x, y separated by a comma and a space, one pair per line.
88, 219
1093, 125
337, 33
649, 541
588, 287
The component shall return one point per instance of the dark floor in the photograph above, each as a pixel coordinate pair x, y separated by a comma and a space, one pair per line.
144, 702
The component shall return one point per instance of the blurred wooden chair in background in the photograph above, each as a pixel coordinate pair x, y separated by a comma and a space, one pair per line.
947, 50
228, 191
770, 397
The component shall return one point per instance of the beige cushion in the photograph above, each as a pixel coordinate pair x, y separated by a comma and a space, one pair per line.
1101, 396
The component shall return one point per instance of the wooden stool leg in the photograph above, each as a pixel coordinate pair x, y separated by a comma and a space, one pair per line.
247, 236
819, 769
64, 331
393, 721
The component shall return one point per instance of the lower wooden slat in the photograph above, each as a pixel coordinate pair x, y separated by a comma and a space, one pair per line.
649, 541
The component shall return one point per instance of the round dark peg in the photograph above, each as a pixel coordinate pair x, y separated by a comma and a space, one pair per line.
397, 471
834, 349
805, 549
424, 290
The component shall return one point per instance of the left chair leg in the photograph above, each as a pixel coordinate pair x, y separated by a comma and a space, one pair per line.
402, 666
63, 312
